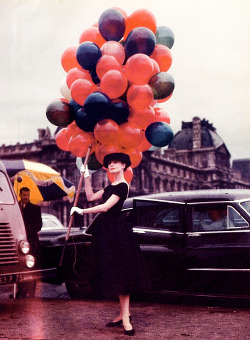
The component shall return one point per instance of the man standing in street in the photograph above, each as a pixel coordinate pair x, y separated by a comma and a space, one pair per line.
33, 224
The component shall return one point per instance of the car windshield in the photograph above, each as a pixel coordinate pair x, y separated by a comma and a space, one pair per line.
246, 206
51, 222
6, 196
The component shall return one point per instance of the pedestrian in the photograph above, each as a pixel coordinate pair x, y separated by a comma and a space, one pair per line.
118, 261
33, 224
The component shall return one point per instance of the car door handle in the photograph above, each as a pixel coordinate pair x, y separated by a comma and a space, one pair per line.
194, 234
139, 231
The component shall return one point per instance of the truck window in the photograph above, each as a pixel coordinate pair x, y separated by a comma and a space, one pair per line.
6, 196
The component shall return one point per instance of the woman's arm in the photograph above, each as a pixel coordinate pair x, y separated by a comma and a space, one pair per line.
98, 208
91, 196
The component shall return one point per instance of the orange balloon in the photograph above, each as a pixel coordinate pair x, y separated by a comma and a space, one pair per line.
139, 68
77, 73
161, 115
128, 175
163, 56
142, 118
130, 135
114, 84
140, 18
106, 131
92, 34
156, 68
81, 89
107, 63
145, 145
68, 58
62, 140
135, 156
72, 129
114, 49
139, 97
78, 144
102, 150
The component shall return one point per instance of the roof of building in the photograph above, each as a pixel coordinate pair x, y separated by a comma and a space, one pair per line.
184, 138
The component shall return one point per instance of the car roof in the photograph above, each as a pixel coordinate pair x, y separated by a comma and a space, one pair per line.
194, 196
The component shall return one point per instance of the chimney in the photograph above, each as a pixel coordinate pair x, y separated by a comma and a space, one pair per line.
196, 133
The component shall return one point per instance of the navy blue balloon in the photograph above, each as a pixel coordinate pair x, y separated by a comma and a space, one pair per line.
88, 54
83, 121
119, 111
94, 77
74, 106
140, 40
159, 134
97, 106
112, 24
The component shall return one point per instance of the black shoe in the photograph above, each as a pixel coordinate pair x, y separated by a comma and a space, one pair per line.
116, 323
131, 332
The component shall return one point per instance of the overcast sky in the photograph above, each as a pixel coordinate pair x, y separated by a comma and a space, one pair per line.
211, 61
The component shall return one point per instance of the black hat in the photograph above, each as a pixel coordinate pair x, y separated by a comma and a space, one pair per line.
117, 156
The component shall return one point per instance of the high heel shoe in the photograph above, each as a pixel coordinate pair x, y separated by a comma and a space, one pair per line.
116, 323
131, 332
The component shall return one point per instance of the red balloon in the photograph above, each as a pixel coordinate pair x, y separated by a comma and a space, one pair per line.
156, 68
62, 140
107, 63
68, 58
114, 84
163, 56
145, 145
77, 73
142, 118
102, 150
130, 135
92, 34
106, 131
79, 144
128, 175
81, 89
139, 68
164, 99
114, 49
72, 129
139, 97
140, 18
135, 156
161, 115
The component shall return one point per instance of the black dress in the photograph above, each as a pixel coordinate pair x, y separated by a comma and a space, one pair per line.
118, 262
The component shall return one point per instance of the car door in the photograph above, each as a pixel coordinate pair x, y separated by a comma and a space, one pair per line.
157, 226
217, 249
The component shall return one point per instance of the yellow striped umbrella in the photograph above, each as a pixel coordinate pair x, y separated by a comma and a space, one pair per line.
45, 183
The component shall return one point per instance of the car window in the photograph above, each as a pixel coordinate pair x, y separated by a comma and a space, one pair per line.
235, 220
6, 196
158, 215
213, 217
51, 222
246, 206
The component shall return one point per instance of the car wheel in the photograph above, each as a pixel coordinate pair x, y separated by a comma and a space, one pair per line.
79, 289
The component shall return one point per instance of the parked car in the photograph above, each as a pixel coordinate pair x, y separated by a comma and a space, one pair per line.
192, 242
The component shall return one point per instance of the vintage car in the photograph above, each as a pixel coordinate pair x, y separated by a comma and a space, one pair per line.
193, 242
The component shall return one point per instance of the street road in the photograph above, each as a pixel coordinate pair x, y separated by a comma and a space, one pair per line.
53, 315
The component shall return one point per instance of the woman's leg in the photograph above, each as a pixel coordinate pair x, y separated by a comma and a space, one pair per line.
124, 311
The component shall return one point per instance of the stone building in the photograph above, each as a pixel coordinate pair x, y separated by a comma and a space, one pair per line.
197, 158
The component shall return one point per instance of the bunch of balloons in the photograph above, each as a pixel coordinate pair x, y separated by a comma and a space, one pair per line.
116, 78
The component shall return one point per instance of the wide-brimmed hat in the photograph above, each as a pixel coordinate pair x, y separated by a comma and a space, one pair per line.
117, 156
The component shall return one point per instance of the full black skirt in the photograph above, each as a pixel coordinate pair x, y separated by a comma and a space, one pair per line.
117, 261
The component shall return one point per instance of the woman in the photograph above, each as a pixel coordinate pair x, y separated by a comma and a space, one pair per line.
117, 255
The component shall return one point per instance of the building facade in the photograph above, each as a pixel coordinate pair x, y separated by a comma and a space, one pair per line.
197, 158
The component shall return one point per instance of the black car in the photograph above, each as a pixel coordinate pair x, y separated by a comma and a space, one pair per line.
192, 242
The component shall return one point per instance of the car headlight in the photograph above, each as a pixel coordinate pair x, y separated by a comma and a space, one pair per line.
24, 247
30, 261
